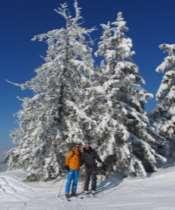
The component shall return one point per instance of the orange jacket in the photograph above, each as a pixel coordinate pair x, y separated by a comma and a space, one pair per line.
72, 159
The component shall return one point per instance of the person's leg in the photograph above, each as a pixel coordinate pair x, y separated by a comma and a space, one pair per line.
68, 182
75, 182
94, 180
87, 179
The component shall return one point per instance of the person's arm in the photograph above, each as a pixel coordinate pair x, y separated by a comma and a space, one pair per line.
97, 157
67, 159
81, 159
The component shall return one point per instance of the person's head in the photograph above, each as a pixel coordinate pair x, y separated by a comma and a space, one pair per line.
87, 146
77, 146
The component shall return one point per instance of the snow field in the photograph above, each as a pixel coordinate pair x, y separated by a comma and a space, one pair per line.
154, 193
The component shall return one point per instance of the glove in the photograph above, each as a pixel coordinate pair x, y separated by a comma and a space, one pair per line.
100, 165
66, 168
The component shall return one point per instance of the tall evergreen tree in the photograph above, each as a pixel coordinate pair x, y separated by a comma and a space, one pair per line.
164, 114
123, 124
50, 119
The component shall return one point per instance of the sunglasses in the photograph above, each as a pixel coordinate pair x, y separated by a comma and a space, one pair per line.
77, 146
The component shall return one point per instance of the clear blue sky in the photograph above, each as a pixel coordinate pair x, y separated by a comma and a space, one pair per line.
150, 22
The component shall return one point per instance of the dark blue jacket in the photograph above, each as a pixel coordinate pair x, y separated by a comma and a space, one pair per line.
90, 158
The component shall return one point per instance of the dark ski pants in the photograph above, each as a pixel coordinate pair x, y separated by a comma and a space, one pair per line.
90, 175
72, 181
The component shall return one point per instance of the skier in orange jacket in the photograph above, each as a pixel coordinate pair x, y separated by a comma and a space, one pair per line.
72, 165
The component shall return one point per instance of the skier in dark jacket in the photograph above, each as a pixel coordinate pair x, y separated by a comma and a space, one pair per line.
90, 159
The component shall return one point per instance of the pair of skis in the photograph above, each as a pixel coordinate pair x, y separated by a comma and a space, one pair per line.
81, 195
89, 194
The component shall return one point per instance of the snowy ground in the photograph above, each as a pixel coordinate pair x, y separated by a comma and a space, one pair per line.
154, 193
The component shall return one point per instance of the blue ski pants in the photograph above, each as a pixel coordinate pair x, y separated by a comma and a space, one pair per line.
72, 181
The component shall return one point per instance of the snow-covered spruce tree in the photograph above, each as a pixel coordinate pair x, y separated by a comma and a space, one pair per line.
164, 114
122, 124
53, 117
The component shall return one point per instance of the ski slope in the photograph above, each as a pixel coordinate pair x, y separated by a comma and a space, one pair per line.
154, 193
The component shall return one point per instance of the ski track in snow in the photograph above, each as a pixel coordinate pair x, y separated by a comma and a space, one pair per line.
154, 193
